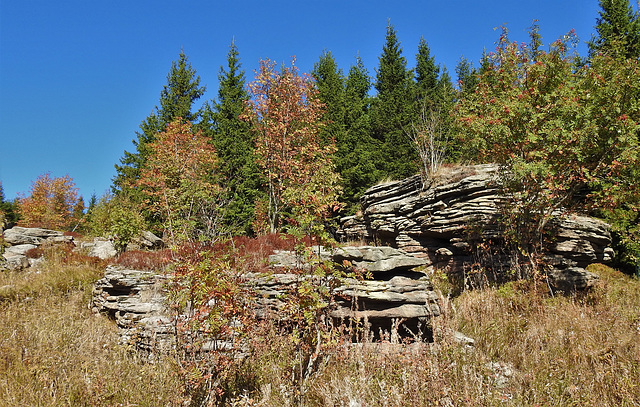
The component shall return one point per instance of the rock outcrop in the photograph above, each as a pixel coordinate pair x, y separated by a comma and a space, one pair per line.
136, 300
20, 240
100, 247
395, 294
398, 301
435, 224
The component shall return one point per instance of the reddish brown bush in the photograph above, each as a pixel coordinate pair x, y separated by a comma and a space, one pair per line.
74, 235
145, 260
34, 253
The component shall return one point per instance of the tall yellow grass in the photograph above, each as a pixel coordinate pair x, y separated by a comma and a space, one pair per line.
531, 349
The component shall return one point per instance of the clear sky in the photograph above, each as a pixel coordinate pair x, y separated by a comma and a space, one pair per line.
77, 77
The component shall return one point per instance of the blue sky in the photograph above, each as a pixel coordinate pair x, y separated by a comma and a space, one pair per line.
78, 76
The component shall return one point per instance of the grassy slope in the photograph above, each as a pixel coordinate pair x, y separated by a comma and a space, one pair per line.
564, 351
55, 352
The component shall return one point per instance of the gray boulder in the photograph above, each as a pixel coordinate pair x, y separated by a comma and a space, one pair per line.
20, 249
101, 248
15, 261
21, 239
572, 279
150, 241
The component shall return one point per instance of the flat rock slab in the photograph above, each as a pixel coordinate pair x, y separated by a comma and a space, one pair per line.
19, 235
376, 259
20, 249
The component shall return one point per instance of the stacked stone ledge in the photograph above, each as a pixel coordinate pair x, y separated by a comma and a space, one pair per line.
20, 240
397, 299
434, 224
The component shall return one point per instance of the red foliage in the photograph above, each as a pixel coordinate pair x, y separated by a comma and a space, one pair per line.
74, 235
145, 260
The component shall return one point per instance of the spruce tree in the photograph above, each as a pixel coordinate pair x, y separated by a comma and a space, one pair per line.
8, 211
467, 75
176, 100
233, 141
330, 83
393, 109
426, 72
618, 28
358, 152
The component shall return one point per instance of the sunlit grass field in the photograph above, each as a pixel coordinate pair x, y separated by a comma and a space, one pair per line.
531, 348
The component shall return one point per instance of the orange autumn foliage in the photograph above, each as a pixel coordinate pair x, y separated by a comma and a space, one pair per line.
179, 182
52, 203
286, 117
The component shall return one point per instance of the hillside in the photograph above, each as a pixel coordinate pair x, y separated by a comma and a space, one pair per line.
530, 349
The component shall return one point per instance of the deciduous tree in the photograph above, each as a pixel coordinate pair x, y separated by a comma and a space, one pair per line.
178, 183
558, 129
176, 100
50, 203
286, 117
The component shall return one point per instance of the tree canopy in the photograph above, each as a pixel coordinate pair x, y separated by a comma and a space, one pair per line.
234, 144
178, 95
286, 117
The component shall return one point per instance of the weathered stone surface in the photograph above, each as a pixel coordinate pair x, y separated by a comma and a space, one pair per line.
20, 235
398, 299
101, 248
20, 249
376, 259
572, 279
435, 223
22, 239
15, 262
136, 301
150, 241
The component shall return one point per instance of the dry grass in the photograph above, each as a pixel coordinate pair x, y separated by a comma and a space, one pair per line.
531, 349
55, 352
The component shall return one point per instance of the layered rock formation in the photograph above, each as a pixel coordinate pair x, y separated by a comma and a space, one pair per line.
394, 294
20, 240
398, 301
435, 224
136, 300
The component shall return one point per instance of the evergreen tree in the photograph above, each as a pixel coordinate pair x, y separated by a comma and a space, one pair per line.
618, 30
426, 72
93, 201
467, 75
330, 83
8, 211
393, 109
358, 152
233, 141
176, 100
